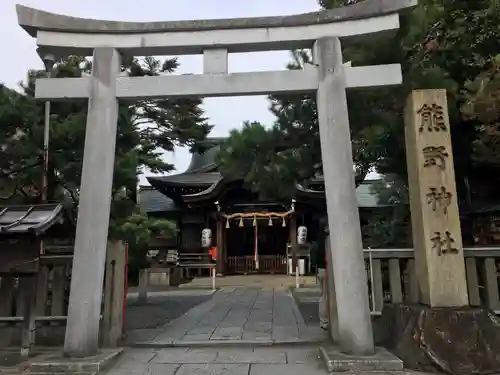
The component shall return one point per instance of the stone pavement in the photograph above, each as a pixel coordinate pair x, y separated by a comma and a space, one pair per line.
250, 281
250, 316
215, 361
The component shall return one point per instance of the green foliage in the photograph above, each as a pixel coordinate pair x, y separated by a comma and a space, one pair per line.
145, 130
253, 154
272, 161
137, 229
389, 226
450, 44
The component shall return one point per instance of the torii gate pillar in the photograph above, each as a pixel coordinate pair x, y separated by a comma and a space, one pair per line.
354, 323
84, 311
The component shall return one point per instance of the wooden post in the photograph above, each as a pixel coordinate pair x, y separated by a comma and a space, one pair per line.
220, 240
293, 242
58, 290
42, 287
114, 293
27, 287
437, 238
143, 285
6, 295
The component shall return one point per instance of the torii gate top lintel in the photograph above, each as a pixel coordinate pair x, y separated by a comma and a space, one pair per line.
54, 30
33, 20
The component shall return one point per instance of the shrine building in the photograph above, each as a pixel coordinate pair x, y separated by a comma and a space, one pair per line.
251, 235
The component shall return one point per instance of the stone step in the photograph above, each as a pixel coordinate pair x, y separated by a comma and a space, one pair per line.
52, 373
382, 360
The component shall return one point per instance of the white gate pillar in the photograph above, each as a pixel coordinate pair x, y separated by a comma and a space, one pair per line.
82, 330
348, 267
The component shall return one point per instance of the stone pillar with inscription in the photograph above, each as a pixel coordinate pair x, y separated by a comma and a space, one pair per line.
437, 239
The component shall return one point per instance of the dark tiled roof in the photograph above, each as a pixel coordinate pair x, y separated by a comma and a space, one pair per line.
36, 219
151, 200
201, 172
207, 178
203, 162
364, 192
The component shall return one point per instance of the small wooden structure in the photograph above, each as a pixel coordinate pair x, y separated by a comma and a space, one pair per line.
22, 229
36, 255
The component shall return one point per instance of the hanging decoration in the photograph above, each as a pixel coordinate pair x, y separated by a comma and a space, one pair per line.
258, 215
206, 237
302, 235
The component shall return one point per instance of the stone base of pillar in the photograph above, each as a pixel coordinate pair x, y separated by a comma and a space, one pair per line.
459, 341
56, 362
382, 360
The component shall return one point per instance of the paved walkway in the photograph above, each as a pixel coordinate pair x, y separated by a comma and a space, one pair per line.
252, 316
215, 361
250, 281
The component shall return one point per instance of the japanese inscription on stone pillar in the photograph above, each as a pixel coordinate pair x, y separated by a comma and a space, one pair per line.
437, 239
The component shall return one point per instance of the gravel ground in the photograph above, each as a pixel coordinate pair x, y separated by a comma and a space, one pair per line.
306, 301
158, 311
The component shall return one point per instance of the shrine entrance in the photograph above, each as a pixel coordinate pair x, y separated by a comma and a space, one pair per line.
327, 78
256, 246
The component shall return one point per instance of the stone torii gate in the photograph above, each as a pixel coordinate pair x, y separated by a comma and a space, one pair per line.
108, 41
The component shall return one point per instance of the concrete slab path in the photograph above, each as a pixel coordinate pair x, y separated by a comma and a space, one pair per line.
250, 281
251, 316
215, 361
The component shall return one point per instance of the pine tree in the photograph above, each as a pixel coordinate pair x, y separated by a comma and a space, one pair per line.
146, 129
452, 44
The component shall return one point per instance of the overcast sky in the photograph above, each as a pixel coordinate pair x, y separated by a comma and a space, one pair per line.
18, 48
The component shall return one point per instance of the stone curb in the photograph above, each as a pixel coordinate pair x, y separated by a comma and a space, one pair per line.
223, 343
296, 311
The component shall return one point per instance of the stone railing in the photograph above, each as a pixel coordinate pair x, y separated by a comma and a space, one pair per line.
392, 277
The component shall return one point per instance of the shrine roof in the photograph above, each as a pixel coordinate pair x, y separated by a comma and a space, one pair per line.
204, 161
152, 200
29, 219
202, 174
202, 169
185, 179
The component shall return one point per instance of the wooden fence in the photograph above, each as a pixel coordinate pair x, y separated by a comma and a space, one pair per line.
52, 297
246, 264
